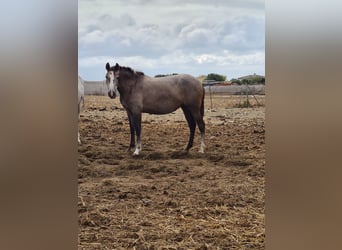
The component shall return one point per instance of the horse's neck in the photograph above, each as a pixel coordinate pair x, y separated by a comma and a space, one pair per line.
126, 86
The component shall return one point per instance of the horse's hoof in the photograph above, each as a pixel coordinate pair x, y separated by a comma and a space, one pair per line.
136, 152
201, 150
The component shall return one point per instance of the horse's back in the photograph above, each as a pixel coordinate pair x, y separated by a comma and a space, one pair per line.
190, 86
175, 85
181, 82
166, 94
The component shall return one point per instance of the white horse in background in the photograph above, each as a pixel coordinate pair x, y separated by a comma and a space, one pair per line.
80, 101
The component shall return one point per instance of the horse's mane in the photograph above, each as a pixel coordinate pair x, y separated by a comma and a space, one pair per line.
127, 70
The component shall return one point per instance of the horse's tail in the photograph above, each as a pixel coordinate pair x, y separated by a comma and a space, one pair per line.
202, 104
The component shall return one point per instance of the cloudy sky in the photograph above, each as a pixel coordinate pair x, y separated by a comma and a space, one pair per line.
197, 37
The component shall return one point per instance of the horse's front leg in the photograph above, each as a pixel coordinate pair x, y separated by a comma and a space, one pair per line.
137, 127
131, 128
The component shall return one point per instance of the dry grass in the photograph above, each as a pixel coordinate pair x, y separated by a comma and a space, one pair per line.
165, 199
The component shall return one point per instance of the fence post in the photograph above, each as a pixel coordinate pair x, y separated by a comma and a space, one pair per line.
211, 100
247, 92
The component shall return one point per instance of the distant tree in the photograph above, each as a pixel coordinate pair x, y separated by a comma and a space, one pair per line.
253, 79
163, 75
246, 81
257, 80
216, 77
159, 75
261, 80
236, 81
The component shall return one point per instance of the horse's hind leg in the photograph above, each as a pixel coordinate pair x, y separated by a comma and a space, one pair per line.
201, 125
131, 128
137, 127
192, 126
202, 130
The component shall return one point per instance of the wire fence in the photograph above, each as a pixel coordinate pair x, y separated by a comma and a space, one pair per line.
246, 92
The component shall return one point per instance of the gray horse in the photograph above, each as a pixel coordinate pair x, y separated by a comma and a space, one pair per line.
143, 94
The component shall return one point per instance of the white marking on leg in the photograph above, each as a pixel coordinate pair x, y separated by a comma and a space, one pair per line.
136, 152
202, 144
79, 140
137, 149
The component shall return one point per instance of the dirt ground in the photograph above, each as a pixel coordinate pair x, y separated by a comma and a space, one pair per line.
164, 198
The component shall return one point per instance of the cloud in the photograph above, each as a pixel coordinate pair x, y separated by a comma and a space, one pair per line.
196, 36
244, 34
178, 62
158, 36
93, 37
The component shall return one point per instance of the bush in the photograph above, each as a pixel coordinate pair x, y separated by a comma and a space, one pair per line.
216, 77
236, 81
261, 80
253, 80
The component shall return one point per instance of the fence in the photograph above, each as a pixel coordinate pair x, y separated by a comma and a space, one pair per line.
100, 88
237, 89
95, 88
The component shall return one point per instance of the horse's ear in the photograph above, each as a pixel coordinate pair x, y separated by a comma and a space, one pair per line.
117, 66
107, 66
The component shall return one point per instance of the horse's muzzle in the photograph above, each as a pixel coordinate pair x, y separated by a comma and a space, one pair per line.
111, 94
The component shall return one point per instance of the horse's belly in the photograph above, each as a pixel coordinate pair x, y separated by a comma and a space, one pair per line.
159, 110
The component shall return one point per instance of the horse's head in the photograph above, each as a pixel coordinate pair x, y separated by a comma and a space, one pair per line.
111, 80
